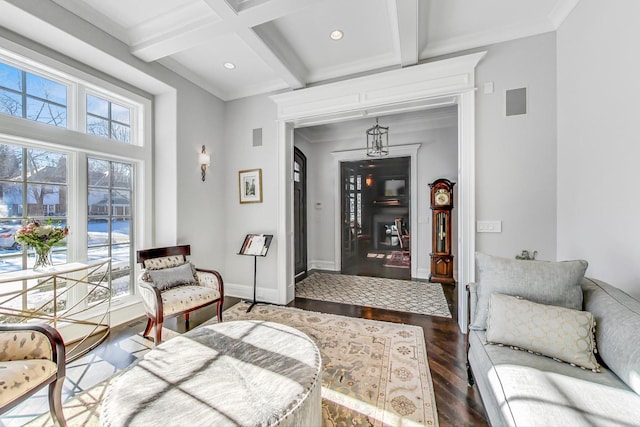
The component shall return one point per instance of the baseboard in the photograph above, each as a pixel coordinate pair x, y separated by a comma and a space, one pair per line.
246, 292
422, 273
322, 265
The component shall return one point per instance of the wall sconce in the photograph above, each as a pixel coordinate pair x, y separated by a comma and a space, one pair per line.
205, 160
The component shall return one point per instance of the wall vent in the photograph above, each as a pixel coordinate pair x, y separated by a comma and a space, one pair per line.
257, 137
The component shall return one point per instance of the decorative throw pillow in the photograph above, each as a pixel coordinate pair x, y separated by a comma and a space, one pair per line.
561, 333
544, 282
172, 277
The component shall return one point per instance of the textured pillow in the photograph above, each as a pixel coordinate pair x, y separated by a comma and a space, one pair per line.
164, 262
553, 331
171, 277
544, 282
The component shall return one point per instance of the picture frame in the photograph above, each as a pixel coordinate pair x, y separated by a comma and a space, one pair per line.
250, 185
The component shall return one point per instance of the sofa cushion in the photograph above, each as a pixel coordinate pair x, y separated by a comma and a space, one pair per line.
170, 277
618, 317
524, 389
553, 331
544, 282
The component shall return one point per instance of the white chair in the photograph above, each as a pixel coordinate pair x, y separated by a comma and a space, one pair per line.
170, 285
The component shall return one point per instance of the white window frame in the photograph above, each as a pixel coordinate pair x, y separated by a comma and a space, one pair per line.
78, 144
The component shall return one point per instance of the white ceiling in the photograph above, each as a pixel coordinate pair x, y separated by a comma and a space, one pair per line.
285, 44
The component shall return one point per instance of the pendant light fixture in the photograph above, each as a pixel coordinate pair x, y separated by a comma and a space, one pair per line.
377, 141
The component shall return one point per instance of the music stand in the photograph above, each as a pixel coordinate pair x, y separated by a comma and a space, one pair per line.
255, 245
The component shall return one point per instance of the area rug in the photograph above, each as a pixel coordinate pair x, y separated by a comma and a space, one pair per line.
398, 259
374, 373
391, 294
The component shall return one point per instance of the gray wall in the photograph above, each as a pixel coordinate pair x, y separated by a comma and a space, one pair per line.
516, 155
598, 150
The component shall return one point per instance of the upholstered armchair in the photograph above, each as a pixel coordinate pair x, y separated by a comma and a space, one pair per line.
32, 356
170, 286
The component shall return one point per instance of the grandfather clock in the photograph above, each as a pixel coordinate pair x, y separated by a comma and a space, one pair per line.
441, 206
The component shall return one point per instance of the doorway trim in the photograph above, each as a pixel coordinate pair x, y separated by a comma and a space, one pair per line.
409, 150
419, 87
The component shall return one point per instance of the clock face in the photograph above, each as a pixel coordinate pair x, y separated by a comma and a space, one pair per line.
442, 197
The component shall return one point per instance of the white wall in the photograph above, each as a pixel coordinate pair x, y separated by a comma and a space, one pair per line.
437, 158
598, 150
242, 116
516, 155
201, 216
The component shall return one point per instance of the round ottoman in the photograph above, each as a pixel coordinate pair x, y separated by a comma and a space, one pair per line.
241, 373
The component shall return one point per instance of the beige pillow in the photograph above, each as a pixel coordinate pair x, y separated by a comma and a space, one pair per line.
561, 333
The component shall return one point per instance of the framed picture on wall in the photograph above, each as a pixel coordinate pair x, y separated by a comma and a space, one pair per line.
250, 186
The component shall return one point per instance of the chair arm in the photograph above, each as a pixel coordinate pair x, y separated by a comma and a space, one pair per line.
211, 279
32, 341
151, 297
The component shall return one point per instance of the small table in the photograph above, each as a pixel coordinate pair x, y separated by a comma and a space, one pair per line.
245, 373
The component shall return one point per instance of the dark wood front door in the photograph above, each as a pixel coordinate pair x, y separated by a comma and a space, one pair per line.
300, 212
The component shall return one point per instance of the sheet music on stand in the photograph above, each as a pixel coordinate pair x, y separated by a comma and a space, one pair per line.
255, 245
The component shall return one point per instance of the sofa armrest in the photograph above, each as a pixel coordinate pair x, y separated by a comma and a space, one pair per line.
472, 290
32, 341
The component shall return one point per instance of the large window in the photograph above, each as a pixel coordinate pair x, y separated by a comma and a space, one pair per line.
70, 176
31, 96
108, 119
33, 185
74, 105
109, 225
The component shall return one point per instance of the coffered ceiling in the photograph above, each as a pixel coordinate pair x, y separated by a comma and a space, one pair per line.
286, 44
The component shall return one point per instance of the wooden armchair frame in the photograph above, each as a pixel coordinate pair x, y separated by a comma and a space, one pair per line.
158, 317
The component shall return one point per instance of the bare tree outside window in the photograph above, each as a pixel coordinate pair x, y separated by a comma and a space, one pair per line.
33, 97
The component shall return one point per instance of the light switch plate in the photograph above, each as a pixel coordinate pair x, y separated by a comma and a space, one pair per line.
489, 226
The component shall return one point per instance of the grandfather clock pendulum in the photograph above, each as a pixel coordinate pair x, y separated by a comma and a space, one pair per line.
441, 206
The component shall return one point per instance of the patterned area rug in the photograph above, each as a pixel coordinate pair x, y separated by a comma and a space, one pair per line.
398, 260
391, 294
374, 373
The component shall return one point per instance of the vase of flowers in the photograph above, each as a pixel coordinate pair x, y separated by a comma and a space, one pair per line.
41, 237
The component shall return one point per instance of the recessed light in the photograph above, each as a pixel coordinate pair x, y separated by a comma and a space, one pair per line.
229, 65
336, 35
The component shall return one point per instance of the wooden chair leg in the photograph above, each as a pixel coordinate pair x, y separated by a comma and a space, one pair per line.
147, 330
219, 311
158, 332
55, 402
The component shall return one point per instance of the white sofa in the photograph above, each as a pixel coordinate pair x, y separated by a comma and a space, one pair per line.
522, 388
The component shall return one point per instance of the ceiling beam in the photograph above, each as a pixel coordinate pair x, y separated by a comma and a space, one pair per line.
152, 42
406, 12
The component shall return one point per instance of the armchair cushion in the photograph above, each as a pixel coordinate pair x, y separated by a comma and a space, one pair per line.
19, 377
183, 298
167, 278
